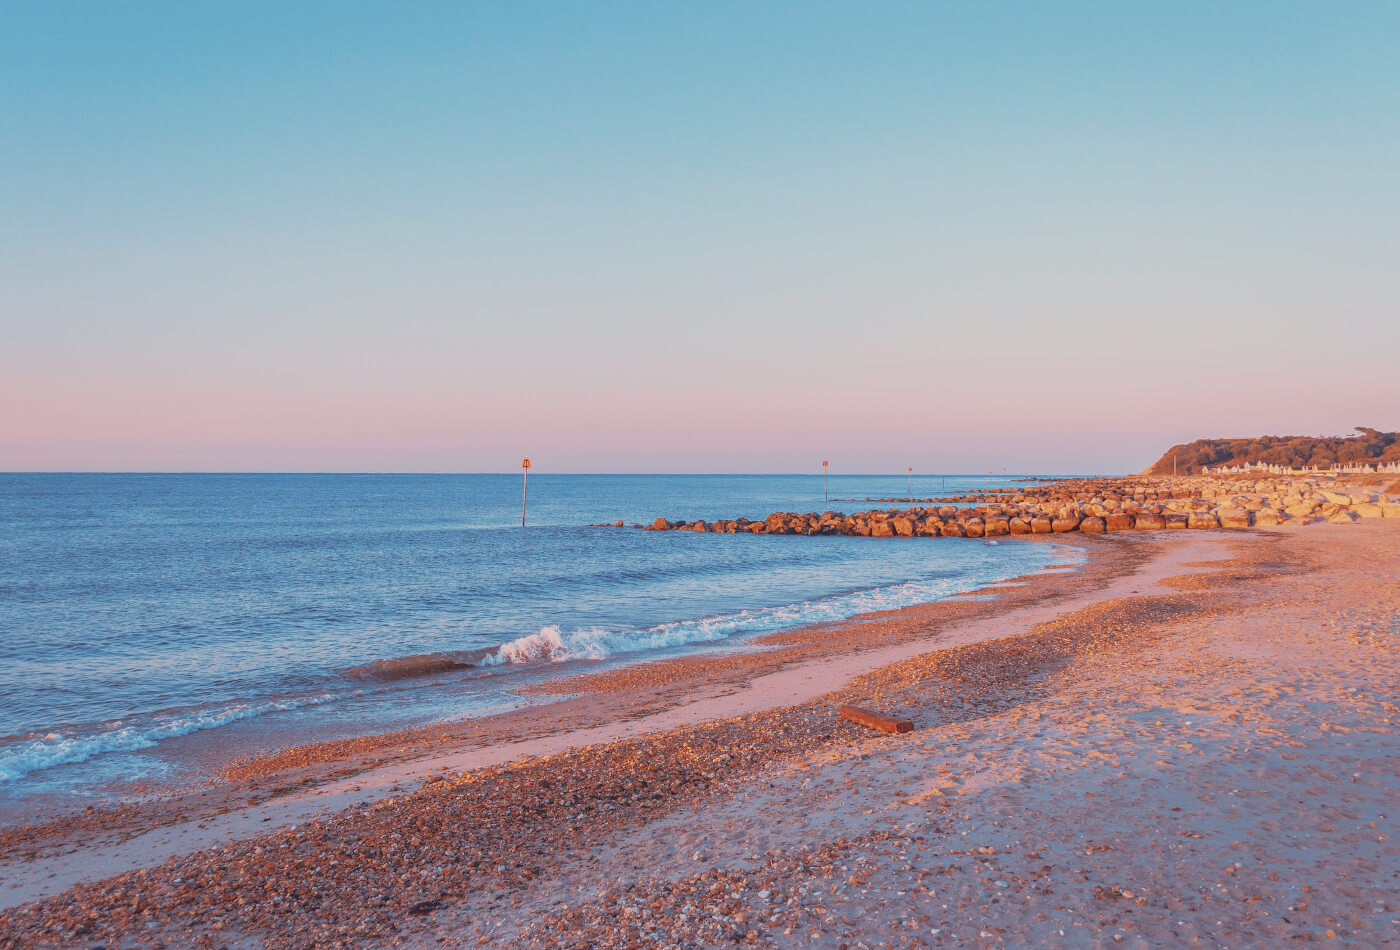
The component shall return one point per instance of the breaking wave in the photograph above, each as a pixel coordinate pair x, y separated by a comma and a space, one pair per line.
555, 645
31, 755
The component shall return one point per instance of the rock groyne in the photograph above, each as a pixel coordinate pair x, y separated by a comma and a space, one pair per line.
1090, 505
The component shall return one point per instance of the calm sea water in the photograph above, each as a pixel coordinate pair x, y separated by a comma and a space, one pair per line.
149, 621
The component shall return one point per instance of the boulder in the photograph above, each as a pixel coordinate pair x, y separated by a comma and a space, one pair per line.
1041, 525
1064, 524
1177, 520
1391, 510
1022, 526
1118, 522
903, 526
1369, 510
660, 524
951, 529
1093, 525
1267, 518
1233, 518
881, 529
997, 526
974, 527
1145, 521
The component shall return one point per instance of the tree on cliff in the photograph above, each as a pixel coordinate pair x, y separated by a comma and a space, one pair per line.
1369, 445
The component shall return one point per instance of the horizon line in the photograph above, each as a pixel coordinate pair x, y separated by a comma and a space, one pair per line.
533, 471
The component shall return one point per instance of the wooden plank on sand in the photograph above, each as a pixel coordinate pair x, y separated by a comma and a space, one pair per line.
876, 720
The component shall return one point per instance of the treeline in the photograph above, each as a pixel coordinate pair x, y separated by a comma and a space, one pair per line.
1298, 451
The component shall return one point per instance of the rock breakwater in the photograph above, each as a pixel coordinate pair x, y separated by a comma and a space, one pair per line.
1089, 505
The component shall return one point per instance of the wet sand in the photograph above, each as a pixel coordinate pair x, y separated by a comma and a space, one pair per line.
1149, 750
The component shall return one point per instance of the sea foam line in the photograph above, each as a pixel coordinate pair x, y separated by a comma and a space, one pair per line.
21, 758
555, 645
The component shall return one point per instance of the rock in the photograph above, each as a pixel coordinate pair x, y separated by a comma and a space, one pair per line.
1267, 518
1118, 522
1022, 526
1093, 525
1369, 510
997, 526
952, 529
881, 529
660, 524
1064, 524
1149, 522
1041, 525
699, 526
1391, 510
1342, 517
1177, 519
974, 527
876, 720
1233, 518
1206, 520
903, 526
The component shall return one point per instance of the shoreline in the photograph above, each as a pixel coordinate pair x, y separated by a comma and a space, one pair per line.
166, 746
650, 758
294, 784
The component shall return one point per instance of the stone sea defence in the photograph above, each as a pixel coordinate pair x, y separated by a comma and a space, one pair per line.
1090, 505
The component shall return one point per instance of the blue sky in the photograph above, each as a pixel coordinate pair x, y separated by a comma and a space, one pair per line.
734, 237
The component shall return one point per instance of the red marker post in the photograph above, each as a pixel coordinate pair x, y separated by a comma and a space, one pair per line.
826, 494
525, 490
909, 482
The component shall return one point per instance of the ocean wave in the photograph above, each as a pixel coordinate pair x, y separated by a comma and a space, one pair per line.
32, 755
555, 645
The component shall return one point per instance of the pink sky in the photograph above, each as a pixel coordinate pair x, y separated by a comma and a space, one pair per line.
959, 238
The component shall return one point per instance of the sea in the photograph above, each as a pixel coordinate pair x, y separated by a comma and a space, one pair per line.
154, 626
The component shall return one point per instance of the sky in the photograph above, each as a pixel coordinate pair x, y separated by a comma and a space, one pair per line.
719, 237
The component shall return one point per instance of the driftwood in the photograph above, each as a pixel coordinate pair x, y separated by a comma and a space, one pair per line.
875, 720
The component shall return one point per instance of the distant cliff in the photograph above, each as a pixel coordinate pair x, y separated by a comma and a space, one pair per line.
1368, 446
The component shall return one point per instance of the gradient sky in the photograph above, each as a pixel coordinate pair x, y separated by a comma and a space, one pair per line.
691, 237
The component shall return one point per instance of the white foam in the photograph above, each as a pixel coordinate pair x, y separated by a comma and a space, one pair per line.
554, 645
21, 758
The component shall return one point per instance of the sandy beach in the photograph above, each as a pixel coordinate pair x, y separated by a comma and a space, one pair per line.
1190, 740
